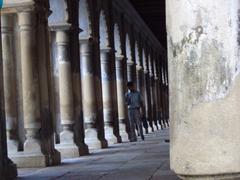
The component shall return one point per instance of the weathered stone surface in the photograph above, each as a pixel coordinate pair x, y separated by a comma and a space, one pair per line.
204, 87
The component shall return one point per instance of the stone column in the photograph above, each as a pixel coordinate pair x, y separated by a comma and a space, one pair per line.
121, 89
67, 146
204, 85
32, 155
108, 107
9, 83
92, 137
8, 170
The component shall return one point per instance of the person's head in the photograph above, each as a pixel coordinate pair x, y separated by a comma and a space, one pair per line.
131, 86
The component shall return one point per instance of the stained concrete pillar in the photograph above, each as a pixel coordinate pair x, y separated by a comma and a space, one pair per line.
89, 100
8, 170
107, 90
204, 85
67, 146
9, 83
121, 89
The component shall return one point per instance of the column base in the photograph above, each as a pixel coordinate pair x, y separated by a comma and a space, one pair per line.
10, 171
68, 150
212, 177
83, 149
119, 139
92, 140
110, 137
12, 146
55, 158
149, 129
28, 160
124, 136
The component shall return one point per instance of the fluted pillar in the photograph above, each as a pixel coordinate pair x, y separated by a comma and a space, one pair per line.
107, 90
204, 85
8, 170
67, 146
92, 135
121, 89
9, 83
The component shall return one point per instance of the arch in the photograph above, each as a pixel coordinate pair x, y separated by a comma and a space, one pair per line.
117, 40
84, 20
128, 47
103, 30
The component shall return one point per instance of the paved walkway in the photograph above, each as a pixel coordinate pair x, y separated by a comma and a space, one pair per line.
143, 160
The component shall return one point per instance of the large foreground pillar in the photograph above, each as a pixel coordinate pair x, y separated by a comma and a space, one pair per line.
204, 88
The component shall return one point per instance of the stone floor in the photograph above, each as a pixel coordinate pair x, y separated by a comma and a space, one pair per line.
143, 160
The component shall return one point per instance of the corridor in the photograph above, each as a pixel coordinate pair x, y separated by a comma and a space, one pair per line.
148, 160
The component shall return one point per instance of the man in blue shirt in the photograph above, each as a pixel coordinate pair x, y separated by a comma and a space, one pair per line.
134, 102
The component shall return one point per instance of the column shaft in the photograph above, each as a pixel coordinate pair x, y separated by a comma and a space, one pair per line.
130, 71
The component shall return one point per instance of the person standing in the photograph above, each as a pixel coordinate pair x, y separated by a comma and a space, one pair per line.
134, 102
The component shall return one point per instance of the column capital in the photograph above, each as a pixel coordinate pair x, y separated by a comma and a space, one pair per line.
7, 23
62, 37
139, 67
130, 63
106, 50
120, 58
